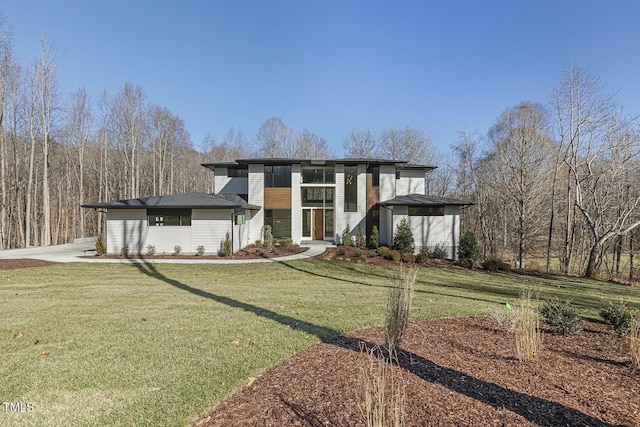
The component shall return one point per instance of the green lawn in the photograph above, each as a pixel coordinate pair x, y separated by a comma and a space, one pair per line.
161, 344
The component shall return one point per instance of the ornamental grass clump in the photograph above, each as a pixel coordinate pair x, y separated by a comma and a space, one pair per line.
398, 308
634, 343
376, 377
527, 334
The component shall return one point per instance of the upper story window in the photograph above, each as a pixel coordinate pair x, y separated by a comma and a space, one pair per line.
277, 176
169, 217
237, 173
351, 189
318, 175
375, 176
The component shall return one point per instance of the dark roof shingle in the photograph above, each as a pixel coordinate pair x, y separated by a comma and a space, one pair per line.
182, 200
423, 200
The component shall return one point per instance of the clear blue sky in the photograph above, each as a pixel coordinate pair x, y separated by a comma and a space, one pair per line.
442, 66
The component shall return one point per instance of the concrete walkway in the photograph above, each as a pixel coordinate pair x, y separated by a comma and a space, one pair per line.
72, 251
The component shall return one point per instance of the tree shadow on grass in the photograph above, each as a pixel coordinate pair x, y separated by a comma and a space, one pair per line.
535, 409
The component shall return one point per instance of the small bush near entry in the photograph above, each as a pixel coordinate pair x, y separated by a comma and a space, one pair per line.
285, 243
357, 253
393, 255
619, 316
562, 316
361, 238
403, 237
496, 265
124, 251
407, 257
151, 250
373, 253
345, 239
341, 251
383, 251
422, 258
227, 246
200, 250
374, 239
177, 249
439, 252
101, 245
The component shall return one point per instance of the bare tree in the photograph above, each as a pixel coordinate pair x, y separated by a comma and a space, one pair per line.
409, 144
308, 145
521, 144
274, 139
361, 143
234, 146
6, 65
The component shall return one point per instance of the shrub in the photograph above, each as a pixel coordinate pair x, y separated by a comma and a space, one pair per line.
468, 247
496, 265
439, 251
398, 308
200, 250
177, 249
285, 243
504, 318
361, 238
620, 316
407, 257
151, 250
422, 258
346, 237
383, 251
374, 239
227, 245
341, 251
373, 253
357, 253
393, 255
258, 243
562, 316
267, 237
466, 262
124, 251
101, 245
403, 237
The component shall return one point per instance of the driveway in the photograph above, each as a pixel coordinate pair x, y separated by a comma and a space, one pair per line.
72, 251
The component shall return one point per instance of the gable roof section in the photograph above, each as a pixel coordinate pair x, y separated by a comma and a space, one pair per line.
422, 200
183, 200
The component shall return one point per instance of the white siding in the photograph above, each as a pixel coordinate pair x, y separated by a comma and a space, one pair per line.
296, 204
256, 197
411, 182
387, 182
209, 228
452, 229
166, 238
351, 219
428, 231
220, 179
242, 233
126, 227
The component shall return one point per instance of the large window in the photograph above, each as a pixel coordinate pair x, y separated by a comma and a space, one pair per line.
280, 222
317, 197
277, 176
237, 173
351, 189
169, 217
318, 175
426, 210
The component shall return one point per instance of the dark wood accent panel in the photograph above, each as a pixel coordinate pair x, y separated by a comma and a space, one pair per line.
318, 224
373, 193
277, 198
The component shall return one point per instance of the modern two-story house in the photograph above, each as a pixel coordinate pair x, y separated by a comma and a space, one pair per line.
300, 199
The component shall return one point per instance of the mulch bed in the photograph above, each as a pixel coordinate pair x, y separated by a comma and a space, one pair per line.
250, 252
11, 264
334, 254
456, 372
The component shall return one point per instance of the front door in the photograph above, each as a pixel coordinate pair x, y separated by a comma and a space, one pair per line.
318, 229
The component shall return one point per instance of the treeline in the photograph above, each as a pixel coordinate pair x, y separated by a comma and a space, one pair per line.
555, 186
